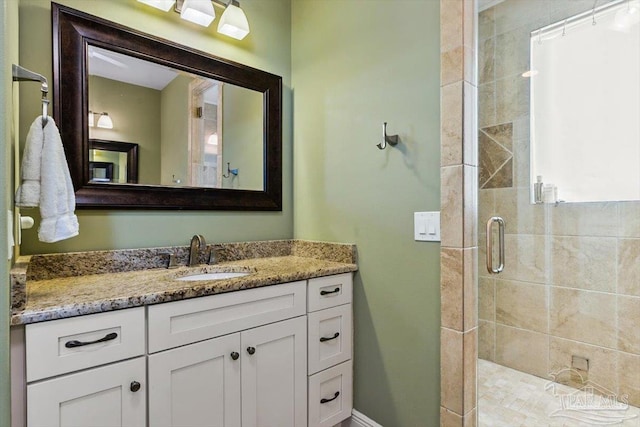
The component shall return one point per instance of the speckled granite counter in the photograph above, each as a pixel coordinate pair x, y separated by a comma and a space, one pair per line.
48, 287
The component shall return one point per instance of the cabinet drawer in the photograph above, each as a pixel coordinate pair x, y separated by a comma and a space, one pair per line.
183, 322
104, 396
67, 345
329, 291
331, 396
329, 337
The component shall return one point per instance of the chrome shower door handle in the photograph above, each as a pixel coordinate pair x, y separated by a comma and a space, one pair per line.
500, 221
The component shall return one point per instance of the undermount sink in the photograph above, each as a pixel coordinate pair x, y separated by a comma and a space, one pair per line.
213, 276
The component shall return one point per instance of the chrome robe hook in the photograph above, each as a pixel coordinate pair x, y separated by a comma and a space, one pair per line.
387, 139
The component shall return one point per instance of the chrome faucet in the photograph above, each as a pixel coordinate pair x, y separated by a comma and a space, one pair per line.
197, 243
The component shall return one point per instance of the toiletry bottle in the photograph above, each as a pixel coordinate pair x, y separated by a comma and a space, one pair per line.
537, 190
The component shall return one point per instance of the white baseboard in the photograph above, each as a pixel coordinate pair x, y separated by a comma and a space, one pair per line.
358, 419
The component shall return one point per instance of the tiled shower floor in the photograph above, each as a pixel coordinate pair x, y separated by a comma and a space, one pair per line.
510, 398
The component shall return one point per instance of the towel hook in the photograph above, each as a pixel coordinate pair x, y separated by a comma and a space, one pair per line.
230, 171
21, 74
387, 139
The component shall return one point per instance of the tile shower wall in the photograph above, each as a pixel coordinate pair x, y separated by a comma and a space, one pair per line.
571, 284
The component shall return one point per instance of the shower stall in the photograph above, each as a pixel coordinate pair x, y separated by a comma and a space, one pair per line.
559, 212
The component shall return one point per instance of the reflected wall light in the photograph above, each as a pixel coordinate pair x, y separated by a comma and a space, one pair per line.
233, 22
91, 121
105, 121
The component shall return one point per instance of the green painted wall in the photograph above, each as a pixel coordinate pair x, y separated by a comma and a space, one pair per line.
174, 135
242, 126
267, 47
356, 64
135, 112
8, 56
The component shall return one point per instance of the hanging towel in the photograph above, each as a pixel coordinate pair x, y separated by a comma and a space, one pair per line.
57, 200
28, 195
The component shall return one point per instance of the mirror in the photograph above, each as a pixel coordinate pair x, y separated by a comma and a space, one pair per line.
207, 131
111, 161
585, 104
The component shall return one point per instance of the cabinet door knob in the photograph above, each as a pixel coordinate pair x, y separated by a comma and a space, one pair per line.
251, 350
235, 355
135, 386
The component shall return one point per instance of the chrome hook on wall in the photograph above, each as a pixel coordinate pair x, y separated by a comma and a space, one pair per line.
387, 139
230, 171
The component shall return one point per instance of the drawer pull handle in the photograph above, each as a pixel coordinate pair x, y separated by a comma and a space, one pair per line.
251, 350
235, 355
335, 291
335, 396
75, 343
336, 335
135, 386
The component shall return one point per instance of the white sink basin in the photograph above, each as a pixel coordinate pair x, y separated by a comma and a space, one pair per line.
212, 276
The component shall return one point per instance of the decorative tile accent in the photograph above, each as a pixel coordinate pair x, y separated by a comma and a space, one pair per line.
494, 146
503, 177
502, 134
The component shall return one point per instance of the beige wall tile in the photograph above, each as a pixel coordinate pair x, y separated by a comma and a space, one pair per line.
486, 340
584, 263
629, 267
584, 316
471, 419
451, 288
603, 362
629, 219
470, 134
470, 341
629, 324
521, 217
521, 174
450, 24
522, 305
486, 61
451, 66
524, 258
525, 351
487, 103
451, 124
451, 206
449, 419
527, 14
451, 370
584, 219
470, 296
512, 53
629, 377
470, 206
486, 24
512, 98
486, 208
486, 299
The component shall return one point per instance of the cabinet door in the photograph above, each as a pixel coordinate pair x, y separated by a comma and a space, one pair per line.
95, 398
274, 375
197, 385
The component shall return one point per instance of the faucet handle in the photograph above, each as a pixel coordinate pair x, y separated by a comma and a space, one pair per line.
173, 259
213, 251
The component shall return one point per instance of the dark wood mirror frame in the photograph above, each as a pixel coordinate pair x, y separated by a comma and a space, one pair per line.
73, 31
121, 147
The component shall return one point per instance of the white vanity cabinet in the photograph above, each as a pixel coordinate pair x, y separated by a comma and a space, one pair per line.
252, 376
238, 359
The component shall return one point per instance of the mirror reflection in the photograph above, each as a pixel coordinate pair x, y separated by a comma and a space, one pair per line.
189, 131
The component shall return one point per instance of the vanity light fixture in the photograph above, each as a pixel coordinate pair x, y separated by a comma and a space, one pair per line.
233, 22
164, 5
105, 121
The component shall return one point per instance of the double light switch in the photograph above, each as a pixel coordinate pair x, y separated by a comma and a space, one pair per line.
426, 226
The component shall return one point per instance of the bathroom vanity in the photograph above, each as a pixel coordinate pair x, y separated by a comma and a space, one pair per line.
235, 352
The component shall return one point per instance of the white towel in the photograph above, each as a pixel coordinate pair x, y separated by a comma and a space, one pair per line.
57, 200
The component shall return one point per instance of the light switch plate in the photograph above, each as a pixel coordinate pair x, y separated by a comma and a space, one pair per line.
426, 226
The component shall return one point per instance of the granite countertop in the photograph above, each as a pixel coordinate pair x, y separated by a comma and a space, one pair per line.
55, 291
